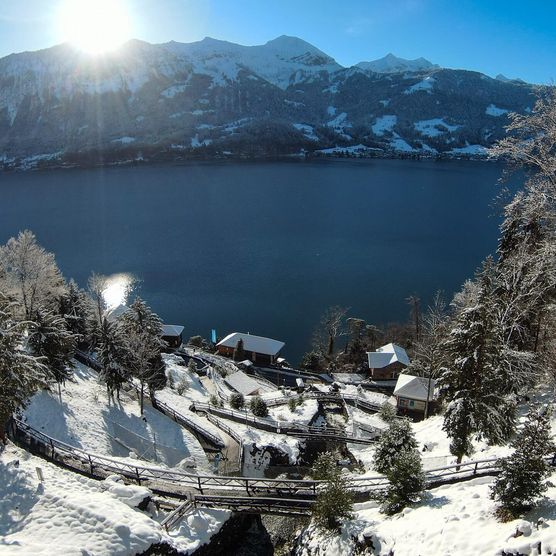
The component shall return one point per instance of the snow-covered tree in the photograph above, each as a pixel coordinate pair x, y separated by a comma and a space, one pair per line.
50, 338
524, 473
113, 357
96, 286
258, 407
237, 401
334, 503
477, 381
21, 373
29, 273
143, 330
395, 440
77, 309
406, 482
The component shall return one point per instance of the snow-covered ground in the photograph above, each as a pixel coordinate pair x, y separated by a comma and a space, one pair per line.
72, 515
455, 520
85, 419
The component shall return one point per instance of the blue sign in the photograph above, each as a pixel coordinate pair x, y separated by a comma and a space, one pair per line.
213, 335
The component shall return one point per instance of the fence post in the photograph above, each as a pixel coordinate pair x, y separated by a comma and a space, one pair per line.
475, 470
52, 448
90, 463
199, 483
138, 477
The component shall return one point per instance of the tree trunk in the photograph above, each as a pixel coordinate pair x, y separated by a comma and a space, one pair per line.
330, 345
142, 396
60, 392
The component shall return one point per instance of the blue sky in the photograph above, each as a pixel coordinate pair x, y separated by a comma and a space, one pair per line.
515, 38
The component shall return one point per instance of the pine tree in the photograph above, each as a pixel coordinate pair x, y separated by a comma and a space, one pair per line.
239, 351
50, 338
21, 373
76, 308
523, 473
237, 401
397, 439
477, 381
334, 503
113, 357
143, 329
258, 407
406, 482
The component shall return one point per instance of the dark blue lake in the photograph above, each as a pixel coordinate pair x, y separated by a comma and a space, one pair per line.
265, 247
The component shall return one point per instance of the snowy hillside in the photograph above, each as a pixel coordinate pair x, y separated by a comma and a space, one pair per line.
73, 515
218, 99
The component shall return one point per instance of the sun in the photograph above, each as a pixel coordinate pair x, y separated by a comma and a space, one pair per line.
94, 26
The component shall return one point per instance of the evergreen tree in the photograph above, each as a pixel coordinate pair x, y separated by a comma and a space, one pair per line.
477, 381
239, 351
334, 503
113, 357
397, 439
76, 308
21, 373
258, 407
49, 338
523, 473
237, 401
143, 329
406, 482
387, 412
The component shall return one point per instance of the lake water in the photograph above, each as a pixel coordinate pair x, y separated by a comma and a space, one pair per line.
265, 247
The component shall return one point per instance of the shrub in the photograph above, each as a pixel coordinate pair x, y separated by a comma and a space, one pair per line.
387, 412
258, 407
237, 401
292, 404
182, 386
213, 400
192, 366
195, 341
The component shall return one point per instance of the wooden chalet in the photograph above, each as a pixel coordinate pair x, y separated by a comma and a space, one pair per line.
259, 350
412, 394
387, 362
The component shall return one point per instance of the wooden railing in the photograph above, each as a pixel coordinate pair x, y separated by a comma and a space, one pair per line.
287, 427
178, 484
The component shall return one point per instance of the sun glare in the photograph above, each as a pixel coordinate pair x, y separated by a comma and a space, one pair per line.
118, 287
94, 26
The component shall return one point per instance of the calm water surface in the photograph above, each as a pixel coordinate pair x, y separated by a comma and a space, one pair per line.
265, 247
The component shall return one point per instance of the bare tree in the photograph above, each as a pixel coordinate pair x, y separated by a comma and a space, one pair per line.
331, 326
29, 273
97, 284
415, 313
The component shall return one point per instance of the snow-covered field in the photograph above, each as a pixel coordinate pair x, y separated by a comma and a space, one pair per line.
452, 520
69, 514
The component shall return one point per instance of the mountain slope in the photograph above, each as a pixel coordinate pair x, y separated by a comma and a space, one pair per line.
211, 98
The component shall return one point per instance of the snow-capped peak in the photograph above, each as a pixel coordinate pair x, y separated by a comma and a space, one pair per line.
393, 64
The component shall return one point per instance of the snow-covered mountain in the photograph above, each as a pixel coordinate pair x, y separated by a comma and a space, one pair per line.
393, 64
211, 98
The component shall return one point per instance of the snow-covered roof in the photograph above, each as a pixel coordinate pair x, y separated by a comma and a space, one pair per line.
243, 383
258, 344
171, 329
386, 355
414, 387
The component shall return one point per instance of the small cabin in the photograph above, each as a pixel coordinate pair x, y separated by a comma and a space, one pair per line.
412, 394
387, 362
172, 335
243, 384
259, 350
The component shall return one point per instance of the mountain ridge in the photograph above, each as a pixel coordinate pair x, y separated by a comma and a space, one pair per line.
212, 97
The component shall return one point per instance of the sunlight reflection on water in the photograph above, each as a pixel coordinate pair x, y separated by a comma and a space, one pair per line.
118, 288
